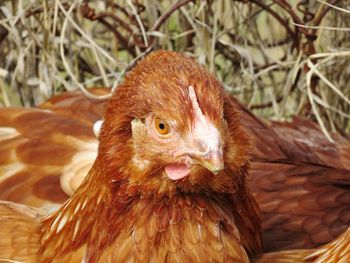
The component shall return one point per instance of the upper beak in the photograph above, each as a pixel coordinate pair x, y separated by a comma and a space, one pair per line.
209, 154
213, 161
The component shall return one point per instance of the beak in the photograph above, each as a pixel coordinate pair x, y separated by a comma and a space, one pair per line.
208, 154
213, 161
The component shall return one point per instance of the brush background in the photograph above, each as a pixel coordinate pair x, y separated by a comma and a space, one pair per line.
255, 48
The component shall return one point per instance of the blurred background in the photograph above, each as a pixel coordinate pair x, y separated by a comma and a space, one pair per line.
281, 58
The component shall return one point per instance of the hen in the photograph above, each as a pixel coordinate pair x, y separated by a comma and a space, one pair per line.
292, 169
168, 184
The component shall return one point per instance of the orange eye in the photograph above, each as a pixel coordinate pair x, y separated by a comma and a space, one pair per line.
161, 126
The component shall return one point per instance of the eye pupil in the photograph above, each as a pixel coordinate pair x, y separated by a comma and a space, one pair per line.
161, 126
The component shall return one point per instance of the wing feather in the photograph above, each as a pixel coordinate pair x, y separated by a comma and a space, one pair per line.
19, 232
301, 182
45, 153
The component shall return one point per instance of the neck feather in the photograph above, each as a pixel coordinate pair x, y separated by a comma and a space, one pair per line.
99, 212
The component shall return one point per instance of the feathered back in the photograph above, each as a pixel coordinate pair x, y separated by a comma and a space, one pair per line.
301, 182
46, 152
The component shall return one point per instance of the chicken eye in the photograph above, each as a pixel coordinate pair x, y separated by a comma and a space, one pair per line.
161, 126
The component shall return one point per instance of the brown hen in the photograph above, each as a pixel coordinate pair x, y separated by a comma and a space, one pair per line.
168, 184
300, 179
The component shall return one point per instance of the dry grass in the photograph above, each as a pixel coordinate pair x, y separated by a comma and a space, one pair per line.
280, 60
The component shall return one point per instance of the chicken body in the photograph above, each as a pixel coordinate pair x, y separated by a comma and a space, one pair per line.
162, 189
299, 178
302, 184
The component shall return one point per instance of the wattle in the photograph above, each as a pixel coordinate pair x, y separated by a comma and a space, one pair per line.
177, 171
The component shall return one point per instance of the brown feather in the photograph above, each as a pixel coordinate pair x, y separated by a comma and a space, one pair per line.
337, 251
300, 179
44, 149
301, 184
19, 232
